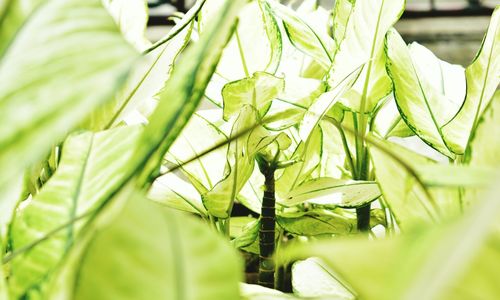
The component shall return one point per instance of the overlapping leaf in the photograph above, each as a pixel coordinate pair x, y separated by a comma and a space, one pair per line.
92, 166
428, 91
119, 259
483, 77
84, 60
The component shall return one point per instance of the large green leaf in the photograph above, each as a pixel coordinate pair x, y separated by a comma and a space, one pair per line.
333, 192
132, 18
184, 90
456, 260
363, 46
91, 168
483, 77
411, 202
66, 61
256, 44
311, 41
258, 91
428, 91
149, 252
13, 14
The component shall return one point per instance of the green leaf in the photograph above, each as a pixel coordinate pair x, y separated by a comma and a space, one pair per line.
317, 222
149, 252
252, 139
184, 91
428, 91
439, 175
455, 260
483, 77
258, 91
485, 142
13, 15
132, 18
484, 147
91, 167
411, 202
148, 77
333, 192
303, 36
47, 55
172, 191
144, 84
245, 231
341, 14
388, 120
312, 278
256, 44
308, 155
323, 104
199, 135
363, 45
290, 106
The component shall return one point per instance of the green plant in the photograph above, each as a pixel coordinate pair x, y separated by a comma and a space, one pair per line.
294, 117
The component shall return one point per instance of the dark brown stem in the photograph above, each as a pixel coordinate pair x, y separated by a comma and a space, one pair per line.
267, 229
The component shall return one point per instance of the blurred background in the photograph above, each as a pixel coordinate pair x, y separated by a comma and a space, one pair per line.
452, 29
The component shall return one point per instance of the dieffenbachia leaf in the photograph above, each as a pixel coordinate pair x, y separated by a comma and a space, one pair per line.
484, 147
185, 89
308, 156
132, 18
258, 91
291, 105
170, 190
172, 255
428, 91
312, 278
145, 82
452, 261
388, 120
363, 45
324, 103
409, 199
333, 192
483, 77
256, 44
241, 160
244, 231
91, 167
485, 142
71, 47
198, 136
341, 14
13, 14
311, 41
317, 222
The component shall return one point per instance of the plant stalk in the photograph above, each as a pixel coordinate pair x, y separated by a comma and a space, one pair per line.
267, 230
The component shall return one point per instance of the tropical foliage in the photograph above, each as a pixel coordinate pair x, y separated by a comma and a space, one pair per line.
253, 139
